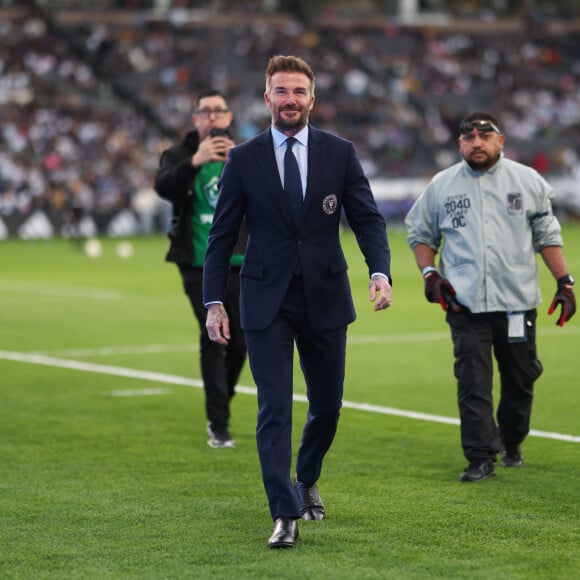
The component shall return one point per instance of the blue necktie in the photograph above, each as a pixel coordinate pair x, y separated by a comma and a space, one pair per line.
292, 181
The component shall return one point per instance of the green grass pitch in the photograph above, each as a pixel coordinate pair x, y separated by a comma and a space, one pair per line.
105, 470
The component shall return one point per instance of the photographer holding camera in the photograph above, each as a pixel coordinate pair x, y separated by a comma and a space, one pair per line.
188, 177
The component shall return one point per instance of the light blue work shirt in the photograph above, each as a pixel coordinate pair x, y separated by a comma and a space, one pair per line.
488, 226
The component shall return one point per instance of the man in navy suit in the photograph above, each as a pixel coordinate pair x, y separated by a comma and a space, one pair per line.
294, 283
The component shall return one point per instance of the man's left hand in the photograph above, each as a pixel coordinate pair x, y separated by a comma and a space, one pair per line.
380, 291
565, 297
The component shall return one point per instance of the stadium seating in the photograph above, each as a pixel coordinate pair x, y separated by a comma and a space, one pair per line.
88, 103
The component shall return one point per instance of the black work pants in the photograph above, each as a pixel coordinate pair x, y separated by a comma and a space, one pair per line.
476, 337
220, 365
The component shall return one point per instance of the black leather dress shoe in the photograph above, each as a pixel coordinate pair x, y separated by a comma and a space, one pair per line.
311, 506
285, 533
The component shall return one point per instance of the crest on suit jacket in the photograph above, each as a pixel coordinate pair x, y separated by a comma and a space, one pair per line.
329, 204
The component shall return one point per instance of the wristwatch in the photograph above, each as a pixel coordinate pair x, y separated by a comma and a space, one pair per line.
566, 280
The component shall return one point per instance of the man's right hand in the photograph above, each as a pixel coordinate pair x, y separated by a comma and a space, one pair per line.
439, 289
212, 149
218, 324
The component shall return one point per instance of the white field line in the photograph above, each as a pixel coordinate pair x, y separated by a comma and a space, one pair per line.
59, 291
40, 359
121, 350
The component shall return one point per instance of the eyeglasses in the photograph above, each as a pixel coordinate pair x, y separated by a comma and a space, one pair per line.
209, 112
483, 126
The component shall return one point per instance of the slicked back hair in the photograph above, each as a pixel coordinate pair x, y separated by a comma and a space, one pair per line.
281, 63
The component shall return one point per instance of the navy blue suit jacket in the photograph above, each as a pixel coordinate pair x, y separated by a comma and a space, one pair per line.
251, 189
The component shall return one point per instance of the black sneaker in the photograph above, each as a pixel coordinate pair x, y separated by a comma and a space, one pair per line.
220, 437
478, 470
511, 457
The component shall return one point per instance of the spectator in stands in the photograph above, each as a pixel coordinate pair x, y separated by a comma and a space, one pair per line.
80, 87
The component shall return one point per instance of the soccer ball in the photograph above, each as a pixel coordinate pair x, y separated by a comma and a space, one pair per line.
93, 248
125, 250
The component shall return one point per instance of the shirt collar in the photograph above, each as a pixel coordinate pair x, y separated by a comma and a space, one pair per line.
279, 137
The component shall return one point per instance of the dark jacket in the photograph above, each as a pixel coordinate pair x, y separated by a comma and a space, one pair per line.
175, 182
251, 188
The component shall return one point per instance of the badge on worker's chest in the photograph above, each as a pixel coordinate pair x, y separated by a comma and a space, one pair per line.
515, 205
516, 327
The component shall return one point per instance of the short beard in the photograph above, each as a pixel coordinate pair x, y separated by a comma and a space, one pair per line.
296, 126
482, 165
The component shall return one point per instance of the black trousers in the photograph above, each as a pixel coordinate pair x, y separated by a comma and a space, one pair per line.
220, 365
476, 338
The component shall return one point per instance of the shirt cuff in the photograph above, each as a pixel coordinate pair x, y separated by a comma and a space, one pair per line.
381, 275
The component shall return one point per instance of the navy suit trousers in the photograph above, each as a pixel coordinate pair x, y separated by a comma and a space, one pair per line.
322, 360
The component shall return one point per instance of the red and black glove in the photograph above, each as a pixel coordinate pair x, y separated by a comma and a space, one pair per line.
438, 289
565, 297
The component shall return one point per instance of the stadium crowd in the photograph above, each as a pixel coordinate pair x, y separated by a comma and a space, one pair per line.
87, 105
